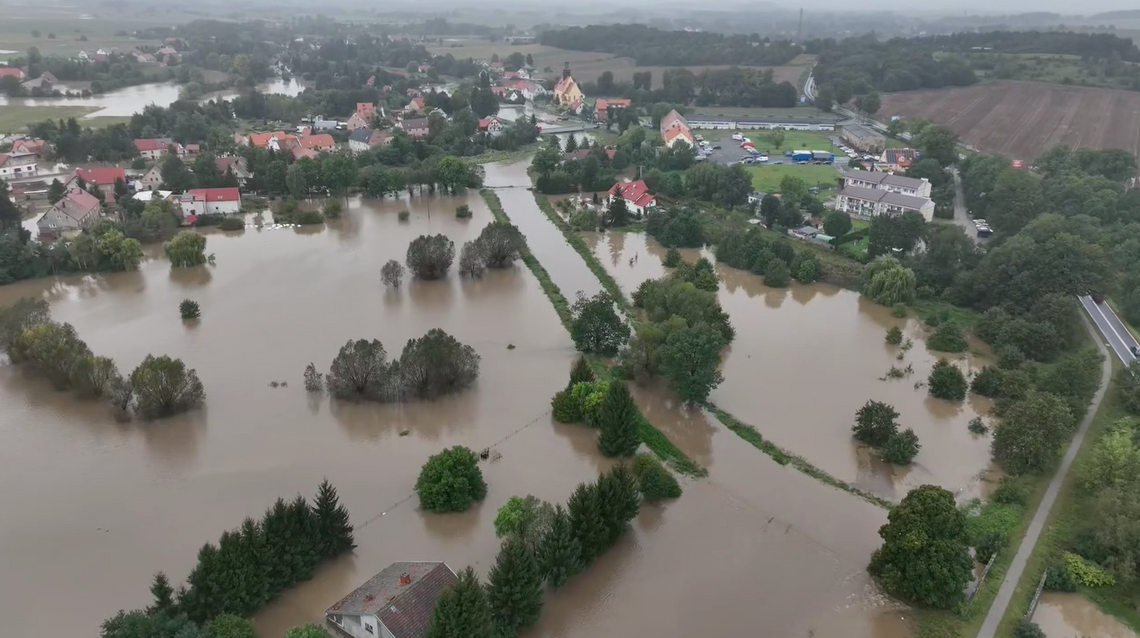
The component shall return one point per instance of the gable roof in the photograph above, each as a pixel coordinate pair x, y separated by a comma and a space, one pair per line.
104, 176
404, 609
77, 204
636, 193
886, 197
262, 139
11, 71
565, 84
900, 156
224, 164
673, 118
408, 125
228, 194
156, 144
320, 140
671, 133
881, 178
602, 104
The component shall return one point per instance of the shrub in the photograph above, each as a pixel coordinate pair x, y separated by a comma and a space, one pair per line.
672, 258
332, 209
894, 336
587, 397
1087, 573
1058, 578
947, 338
776, 274
189, 309
977, 426
403, 215
309, 218
990, 545
1011, 491
450, 481
988, 382
463, 212
1027, 629
899, 311
901, 448
946, 381
654, 481
430, 257
232, 223
1009, 357
564, 407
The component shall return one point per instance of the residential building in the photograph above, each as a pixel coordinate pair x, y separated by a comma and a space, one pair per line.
416, 105
33, 145
152, 179
862, 137
636, 195
868, 202
358, 121
365, 110
888, 182
146, 196
45, 83
235, 165
321, 142
750, 122
396, 603
76, 209
897, 159
566, 91
602, 106
215, 201
11, 72
271, 139
16, 165
189, 151
674, 128
103, 177
366, 138
416, 128
491, 124
153, 149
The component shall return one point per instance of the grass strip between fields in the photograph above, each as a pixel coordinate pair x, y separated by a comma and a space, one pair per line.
653, 438
561, 306
576, 242
784, 457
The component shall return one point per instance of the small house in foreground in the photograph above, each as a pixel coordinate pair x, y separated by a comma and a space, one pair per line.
396, 603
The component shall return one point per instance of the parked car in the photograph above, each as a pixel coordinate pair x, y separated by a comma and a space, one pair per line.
738, 136
778, 162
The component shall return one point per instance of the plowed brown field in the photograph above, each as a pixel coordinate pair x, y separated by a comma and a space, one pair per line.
1020, 120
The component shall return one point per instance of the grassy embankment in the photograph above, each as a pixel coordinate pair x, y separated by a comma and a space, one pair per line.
14, 118
579, 245
653, 438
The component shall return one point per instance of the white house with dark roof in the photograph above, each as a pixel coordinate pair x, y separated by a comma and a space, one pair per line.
871, 193
395, 603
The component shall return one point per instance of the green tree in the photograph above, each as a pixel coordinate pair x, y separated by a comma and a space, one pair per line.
947, 337
776, 137
887, 282
500, 244
946, 381
618, 416
559, 552
794, 189
175, 175
587, 520
776, 274
436, 364
1115, 459
361, 371
452, 174
770, 209
654, 481
189, 309
938, 143
164, 386
295, 181
690, 360
310, 630
462, 610
595, 325
56, 191
837, 224
187, 249
51, 349
902, 447
333, 526
875, 423
339, 172
430, 257
163, 594
581, 372
1031, 433
672, 258
392, 273
230, 626
618, 212
18, 317
450, 481
527, 517
514, 589
893, 234
139, 624
1015, 200
117, 252
620, 499
894, 335
924, 556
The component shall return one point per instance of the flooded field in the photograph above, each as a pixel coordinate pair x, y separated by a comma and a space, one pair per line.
103, 505
805, 358
1074, 616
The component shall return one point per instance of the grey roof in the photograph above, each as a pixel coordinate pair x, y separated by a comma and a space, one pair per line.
361, 135
411, 124
858, 130
404, 609
888, 179
886, 197
810, 231
755, 119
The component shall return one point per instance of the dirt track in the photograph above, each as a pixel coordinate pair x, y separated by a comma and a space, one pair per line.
1020, 120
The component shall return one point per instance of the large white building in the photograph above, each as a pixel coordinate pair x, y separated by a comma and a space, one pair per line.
733, 122
16, 165
870, 194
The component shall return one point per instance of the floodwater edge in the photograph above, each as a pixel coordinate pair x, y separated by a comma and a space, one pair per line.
576, 242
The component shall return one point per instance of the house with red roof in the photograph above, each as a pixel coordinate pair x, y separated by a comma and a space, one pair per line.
320, 143
154, 148
398, 602
11, 72
897, 159
77, 209
272, 139
33, 145
636, 195
357, 121
104, 177
365, 110
675, 128
211, 201
491, 124
416, 105
583, 153
602, 107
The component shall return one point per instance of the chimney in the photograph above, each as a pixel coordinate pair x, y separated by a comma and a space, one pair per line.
405, 579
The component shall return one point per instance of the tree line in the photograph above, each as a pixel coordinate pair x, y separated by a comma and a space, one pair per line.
734, 86
248, 568
157, 388
655, 47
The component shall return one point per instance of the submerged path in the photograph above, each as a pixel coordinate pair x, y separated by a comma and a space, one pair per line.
1013, 575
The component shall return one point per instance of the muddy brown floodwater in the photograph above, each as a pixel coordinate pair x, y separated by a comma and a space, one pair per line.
93, 507
805, 358
1074, 616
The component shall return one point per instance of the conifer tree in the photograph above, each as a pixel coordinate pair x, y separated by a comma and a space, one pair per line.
588, 522
199, 601
462, 611
163, 594
581, 372
559, 552
514, 588
275, 527
618, 495
229, 626
618, 418
332, 521
255, 564
306, 539
230, 577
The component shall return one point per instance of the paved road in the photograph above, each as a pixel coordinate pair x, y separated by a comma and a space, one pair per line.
961, 216
1116, 334
1013, 575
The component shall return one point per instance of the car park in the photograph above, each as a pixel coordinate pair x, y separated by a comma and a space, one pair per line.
738, 136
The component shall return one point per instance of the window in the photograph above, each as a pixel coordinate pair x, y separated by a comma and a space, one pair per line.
368, 628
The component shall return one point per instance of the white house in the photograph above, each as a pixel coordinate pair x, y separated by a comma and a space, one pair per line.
211, 201
16, 165
675, 128
868, 202
636, 195
396, 603
155, 148
887, 182
152, 179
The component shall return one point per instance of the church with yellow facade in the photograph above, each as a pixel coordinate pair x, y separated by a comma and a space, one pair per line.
566, 91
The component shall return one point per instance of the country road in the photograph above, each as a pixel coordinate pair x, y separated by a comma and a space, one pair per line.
961, 216
1115, 332
1017, 568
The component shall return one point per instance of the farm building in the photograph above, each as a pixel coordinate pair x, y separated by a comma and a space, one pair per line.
862, 137
732, 122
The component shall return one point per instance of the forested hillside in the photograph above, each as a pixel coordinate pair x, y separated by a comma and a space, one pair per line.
654, 47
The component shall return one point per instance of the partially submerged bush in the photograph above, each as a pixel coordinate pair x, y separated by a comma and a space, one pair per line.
189, 309
164, 386
430, 257
654, 481
450, 481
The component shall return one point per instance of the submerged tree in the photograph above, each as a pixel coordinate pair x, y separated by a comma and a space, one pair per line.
164, 386
333, 527
514, 589
20, 316
96, 376
450, 481
437, 364
361, 371
471, 260
875, 423
587, 520
392, 273
618, 418
620, 499
559, 552
946, 381
51, 349
189, 309
187, 249
430, 257
500, 243
462, 610
314, 381
596, 327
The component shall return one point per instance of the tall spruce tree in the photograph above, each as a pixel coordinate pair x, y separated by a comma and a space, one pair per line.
231, 576
588, 521
559, 552
618, 495
306, 539
581, 372
200, 600
163, 594
275, 526
514, 588
462, 610
255, 561
332, 522
618, 418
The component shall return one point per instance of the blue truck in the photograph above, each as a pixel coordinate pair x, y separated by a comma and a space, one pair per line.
802, 156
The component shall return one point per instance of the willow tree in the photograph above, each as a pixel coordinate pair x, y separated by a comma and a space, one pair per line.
437, 364
187, 249
164, 386
361, 371
888, 282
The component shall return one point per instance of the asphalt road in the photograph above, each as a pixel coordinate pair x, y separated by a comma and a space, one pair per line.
1116, 334
1017, 568
961, 216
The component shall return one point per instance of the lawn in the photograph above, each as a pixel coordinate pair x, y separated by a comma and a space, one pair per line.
13, 119
107, 30
795, 111
766, 179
